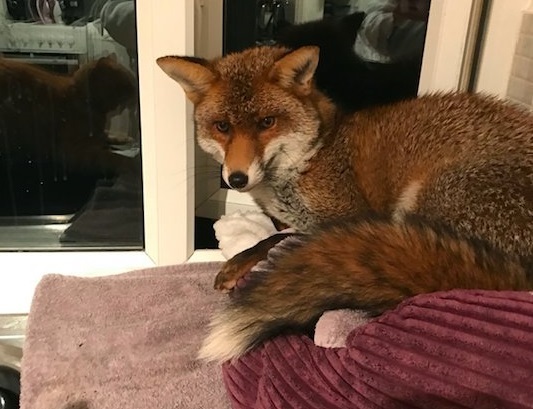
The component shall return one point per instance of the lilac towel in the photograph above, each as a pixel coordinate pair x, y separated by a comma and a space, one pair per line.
122, 342
457, 349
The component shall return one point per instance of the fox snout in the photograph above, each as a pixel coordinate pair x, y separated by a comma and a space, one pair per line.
242, 169
238, 180
242, 178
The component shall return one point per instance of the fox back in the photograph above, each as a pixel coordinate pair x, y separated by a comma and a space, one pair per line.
464, 160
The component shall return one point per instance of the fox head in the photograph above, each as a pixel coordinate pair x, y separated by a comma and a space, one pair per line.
257, 112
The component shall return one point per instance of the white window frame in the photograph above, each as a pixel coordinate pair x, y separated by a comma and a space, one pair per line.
448, 50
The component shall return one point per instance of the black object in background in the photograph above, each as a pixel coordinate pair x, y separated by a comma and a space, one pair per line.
238, 25
17, 10
9, 388
351, 82
204, 234
251, 22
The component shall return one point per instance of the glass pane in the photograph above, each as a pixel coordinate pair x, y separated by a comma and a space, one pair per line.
70, 174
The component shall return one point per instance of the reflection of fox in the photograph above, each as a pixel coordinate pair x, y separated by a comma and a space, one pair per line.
460, 161
62, 117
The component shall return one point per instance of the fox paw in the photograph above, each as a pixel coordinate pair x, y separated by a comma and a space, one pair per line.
234, 274
234, 271
267, 265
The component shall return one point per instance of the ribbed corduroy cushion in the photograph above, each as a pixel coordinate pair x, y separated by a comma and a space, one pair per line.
457, 349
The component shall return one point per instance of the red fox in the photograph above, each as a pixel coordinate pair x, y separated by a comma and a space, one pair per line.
448, 176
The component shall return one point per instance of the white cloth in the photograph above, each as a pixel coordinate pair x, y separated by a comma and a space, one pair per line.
239, 231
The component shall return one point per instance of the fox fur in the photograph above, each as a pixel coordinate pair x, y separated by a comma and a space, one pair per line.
62, 117
461, 161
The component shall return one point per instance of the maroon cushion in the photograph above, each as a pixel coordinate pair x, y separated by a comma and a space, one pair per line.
456, 349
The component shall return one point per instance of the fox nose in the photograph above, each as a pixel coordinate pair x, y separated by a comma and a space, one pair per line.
238, 180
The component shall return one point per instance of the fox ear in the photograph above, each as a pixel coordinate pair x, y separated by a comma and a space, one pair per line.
193, 74
296, 69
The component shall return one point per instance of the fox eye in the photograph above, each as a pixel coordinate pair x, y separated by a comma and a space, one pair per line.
222, 126
267, 122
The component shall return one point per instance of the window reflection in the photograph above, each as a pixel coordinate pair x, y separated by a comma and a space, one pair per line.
69, 125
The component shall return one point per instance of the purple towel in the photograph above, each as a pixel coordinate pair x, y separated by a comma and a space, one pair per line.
457, 349
122, 342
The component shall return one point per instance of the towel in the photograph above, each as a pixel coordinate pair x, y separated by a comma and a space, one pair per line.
124, 341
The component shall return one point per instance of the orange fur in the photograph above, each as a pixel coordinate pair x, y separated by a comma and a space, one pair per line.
370, 264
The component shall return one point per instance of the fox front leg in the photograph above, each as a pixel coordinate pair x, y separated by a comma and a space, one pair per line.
238, 266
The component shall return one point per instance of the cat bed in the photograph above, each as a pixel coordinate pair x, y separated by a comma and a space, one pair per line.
457, 349
130, 341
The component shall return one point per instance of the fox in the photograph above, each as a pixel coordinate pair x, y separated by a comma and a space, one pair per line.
420, 195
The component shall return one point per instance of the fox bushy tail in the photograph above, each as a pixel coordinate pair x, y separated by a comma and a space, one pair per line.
369, 265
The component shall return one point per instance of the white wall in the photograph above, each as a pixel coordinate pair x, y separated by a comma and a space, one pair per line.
499, 45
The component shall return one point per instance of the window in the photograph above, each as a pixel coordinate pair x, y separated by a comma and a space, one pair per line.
70, 160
